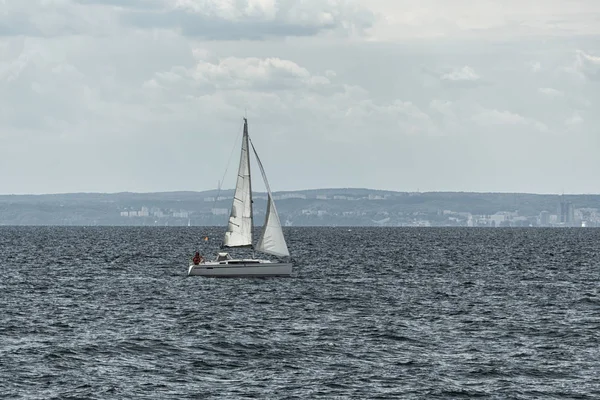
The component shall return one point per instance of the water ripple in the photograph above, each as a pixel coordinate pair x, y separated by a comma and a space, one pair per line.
383, 313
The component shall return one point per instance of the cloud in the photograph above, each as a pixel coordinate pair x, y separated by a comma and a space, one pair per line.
534, 66
209, 19
587, 65
462, 117
551, 92
496, 117
45, 95
274, 88
574, 119
493, 117
126, 4
400, 117
449, 116
443, 107
250, 74
53, 18
456, 77
464, 74
254, 19
402, 19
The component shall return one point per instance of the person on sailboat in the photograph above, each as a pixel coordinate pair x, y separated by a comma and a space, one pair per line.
197, 258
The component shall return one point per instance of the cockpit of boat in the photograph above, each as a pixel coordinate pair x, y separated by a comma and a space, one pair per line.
223, 257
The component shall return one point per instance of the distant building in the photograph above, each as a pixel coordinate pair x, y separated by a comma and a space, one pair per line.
289, 196
566, 213
544, 218
499, 219
158, 213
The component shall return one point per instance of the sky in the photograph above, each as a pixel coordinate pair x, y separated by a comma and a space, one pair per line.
407, 95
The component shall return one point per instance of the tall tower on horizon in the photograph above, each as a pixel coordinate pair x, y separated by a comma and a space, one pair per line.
566, 213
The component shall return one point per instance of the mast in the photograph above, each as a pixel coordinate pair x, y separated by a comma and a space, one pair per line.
246, 140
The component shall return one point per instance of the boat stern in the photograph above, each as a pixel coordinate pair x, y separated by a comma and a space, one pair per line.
190, 269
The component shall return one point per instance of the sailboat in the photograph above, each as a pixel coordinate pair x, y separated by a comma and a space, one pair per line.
239, 230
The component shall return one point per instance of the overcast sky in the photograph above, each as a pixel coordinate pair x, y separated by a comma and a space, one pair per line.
429, 95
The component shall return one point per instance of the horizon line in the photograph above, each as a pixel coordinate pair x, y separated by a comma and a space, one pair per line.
301, 190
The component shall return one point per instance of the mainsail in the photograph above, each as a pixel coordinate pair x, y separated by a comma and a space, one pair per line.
239, 229
271, 240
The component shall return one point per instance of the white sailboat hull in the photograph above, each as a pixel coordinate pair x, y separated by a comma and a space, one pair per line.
241, 268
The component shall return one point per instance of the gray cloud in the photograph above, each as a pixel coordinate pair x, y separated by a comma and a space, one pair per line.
218, 28
588, 65
18, 23
464, 74
249, 73
246, 21
486, 18
551, 92
131, 4
53, 18
494, 118
459, 77
210, 19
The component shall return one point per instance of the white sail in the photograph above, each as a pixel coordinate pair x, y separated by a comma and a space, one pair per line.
239, 229
271, 239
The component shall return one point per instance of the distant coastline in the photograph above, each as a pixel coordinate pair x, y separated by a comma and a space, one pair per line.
314, 207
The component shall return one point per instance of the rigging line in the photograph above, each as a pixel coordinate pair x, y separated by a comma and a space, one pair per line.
262, 170
226, 169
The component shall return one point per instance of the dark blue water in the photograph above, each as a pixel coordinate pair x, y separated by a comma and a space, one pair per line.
100, 313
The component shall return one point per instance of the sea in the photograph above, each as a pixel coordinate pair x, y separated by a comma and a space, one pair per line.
369, 313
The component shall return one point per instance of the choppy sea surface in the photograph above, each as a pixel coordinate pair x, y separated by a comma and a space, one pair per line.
378, 313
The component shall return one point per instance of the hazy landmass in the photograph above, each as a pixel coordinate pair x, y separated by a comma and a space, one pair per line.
321, 207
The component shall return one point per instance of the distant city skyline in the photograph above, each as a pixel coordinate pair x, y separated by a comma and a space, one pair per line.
436, 95
327, 207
